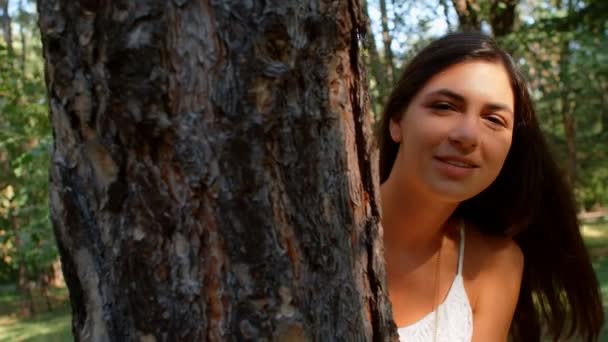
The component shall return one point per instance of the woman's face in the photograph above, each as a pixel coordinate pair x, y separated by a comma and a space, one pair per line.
455, 134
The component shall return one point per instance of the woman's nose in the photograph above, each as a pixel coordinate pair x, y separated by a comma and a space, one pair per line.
465, 134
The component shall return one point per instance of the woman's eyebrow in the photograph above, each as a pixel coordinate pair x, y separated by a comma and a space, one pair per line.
498, 107
459, 98
447, 93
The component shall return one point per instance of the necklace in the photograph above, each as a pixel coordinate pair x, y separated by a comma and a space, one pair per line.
436, 296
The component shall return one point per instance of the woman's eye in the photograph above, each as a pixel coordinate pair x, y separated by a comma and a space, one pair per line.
442, 106
495, 120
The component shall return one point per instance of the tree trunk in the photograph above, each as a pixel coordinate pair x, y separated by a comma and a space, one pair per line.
387, 41
44, 285
5, 21
570, 133
446, 14
468, 17
23, 42
604, 112
56, 276
212, 175
566, 110
26, 291
377, 69
502, 17
23, 284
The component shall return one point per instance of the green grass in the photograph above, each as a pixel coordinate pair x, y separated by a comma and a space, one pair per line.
55, 326
48, 327
596, 239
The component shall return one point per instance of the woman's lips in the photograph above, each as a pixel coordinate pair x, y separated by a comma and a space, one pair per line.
455, 167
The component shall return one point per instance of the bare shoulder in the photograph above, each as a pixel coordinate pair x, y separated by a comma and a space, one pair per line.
492, 263
494, 278
494, 254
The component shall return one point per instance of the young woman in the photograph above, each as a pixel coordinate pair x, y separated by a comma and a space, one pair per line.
481, 235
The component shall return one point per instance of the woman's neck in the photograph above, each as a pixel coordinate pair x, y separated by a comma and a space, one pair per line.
412, 221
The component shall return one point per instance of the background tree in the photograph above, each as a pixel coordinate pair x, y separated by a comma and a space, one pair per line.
558, 44
379, 85
566, 102
212, 172
468, 14
563, 57
6, 23
386, 42
27, 247
536, 36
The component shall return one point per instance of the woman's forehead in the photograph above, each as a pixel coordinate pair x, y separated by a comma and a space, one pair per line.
472, 81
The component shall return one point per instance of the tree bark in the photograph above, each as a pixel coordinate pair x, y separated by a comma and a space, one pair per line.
377, 69
56, 276
446, 14
565, 104
23, 41
212, 176
468, 17
23, 283
502, 17
604, 113
389, 59
5, 21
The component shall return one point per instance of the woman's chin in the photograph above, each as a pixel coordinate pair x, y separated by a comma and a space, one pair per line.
454, 192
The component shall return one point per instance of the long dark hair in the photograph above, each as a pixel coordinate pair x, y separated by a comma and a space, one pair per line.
529, 201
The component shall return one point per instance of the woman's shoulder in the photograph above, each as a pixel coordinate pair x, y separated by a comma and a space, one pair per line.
492, 264
493, 253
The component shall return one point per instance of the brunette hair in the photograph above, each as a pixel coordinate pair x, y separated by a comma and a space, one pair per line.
529, 201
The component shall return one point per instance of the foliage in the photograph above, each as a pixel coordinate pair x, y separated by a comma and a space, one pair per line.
560, 47
45, 327
596, 239
542, 32
565, 61
26, 238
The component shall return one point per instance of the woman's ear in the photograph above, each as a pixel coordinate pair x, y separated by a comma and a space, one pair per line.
394, 128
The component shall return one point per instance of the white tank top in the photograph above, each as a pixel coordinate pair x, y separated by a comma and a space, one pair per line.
454, 315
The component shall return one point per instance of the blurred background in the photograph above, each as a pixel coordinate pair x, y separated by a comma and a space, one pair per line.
560, 45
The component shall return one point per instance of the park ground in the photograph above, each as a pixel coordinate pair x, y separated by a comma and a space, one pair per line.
54, 326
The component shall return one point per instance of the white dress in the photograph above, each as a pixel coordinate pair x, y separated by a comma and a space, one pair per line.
454, 315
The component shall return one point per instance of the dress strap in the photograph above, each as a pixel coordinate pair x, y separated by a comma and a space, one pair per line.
461, 249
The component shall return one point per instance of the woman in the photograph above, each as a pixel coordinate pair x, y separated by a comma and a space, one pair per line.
480, 229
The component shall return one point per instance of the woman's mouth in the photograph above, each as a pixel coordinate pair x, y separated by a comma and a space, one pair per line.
455, 167
458, 161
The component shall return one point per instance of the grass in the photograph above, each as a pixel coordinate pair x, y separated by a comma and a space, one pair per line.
55, 326
596, 239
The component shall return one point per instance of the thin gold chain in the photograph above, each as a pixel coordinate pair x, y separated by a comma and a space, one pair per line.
437, 282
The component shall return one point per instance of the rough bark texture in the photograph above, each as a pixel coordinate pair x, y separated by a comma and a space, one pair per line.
23, 283
604, 113
566, 108
212, 174
502, 17
387, 41
24, 46
377, 70
446, 14
5, 21
468, 15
